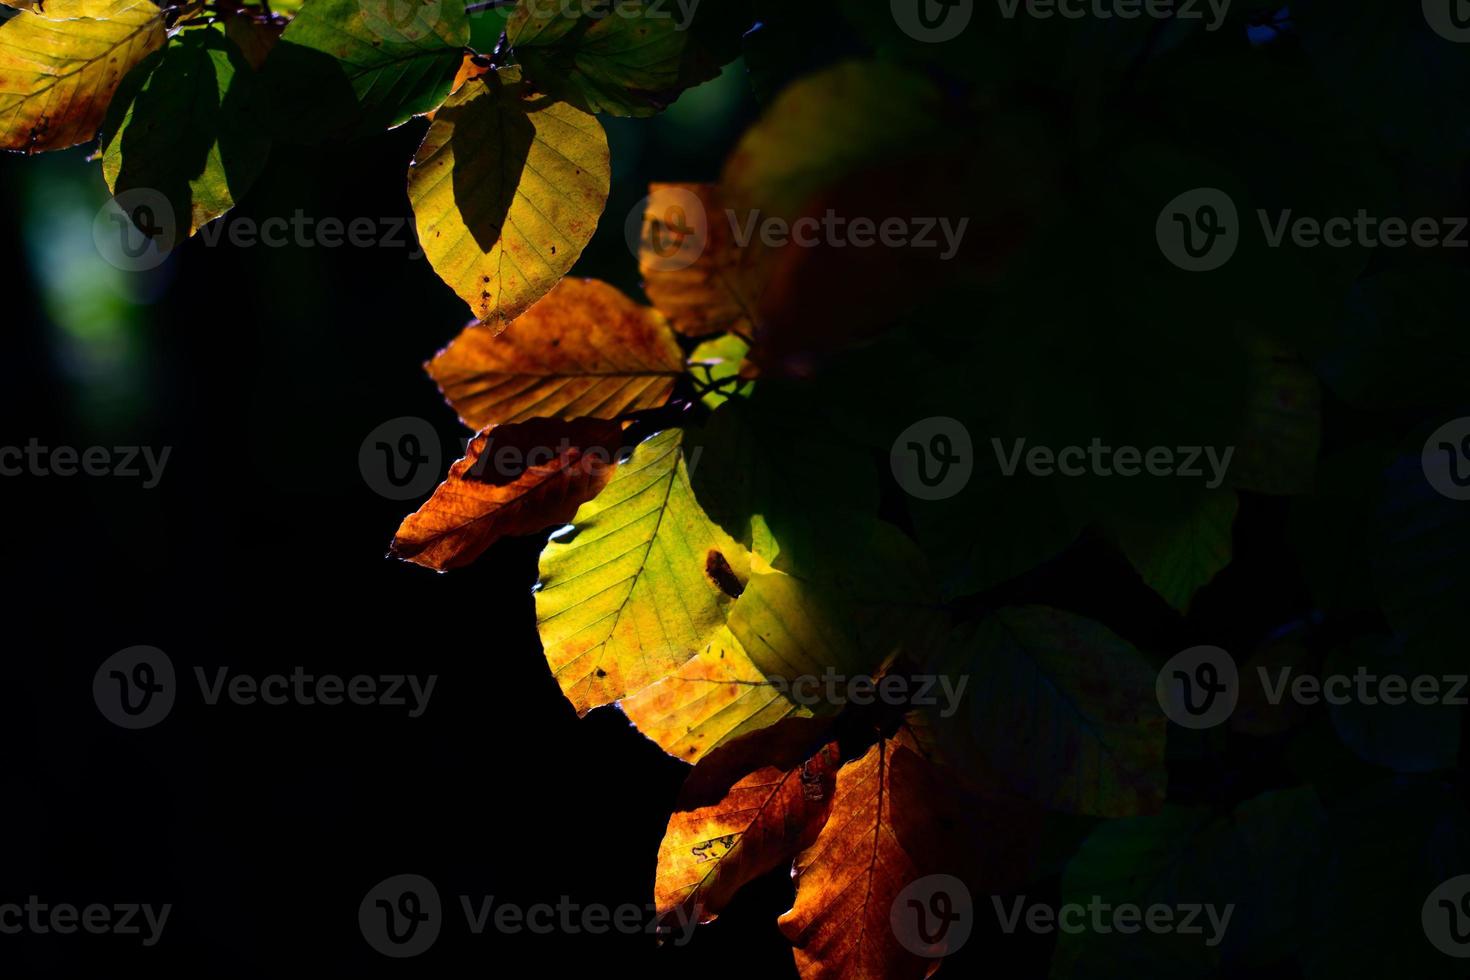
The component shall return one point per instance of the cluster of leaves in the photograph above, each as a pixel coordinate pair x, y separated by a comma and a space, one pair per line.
510, 180
718, 461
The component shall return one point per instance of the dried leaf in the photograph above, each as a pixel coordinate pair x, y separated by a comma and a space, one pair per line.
765, 819
514, 479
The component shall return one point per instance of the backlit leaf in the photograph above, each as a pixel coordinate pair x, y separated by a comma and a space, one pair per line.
513, 479
59, 68
848, 881
639, 585
692, 268
185, 133
765, 819
586, 349
355, 67
507, 189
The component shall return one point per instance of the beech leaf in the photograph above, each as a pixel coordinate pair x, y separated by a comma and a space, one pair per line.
640, 583
586, 349
60, 67
514, 479
507, 188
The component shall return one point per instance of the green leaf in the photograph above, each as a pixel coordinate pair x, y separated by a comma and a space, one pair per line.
356, 67
627, 58
716, 363
507, 189
640, 582
186, 133
1179, 555
1059, 708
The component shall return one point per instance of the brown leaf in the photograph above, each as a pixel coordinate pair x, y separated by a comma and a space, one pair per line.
514, 479
874, 845
584, 350
693, 268
254, 36
708, 853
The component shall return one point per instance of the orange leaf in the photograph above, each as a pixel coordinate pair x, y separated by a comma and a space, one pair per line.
514, 479
692, 267
767, 817
870, 850
584, 350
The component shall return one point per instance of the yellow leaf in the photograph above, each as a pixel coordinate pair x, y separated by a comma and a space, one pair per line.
718, 695
584, 350
641, 583
507, 189
59, 68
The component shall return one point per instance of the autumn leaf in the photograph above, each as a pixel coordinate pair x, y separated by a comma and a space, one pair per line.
585, 349
507, 189
355, 67
709, 852
514, 479
59, 68
639, 584
715, 697
844, 923
255, 36
184, 133
692, 268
